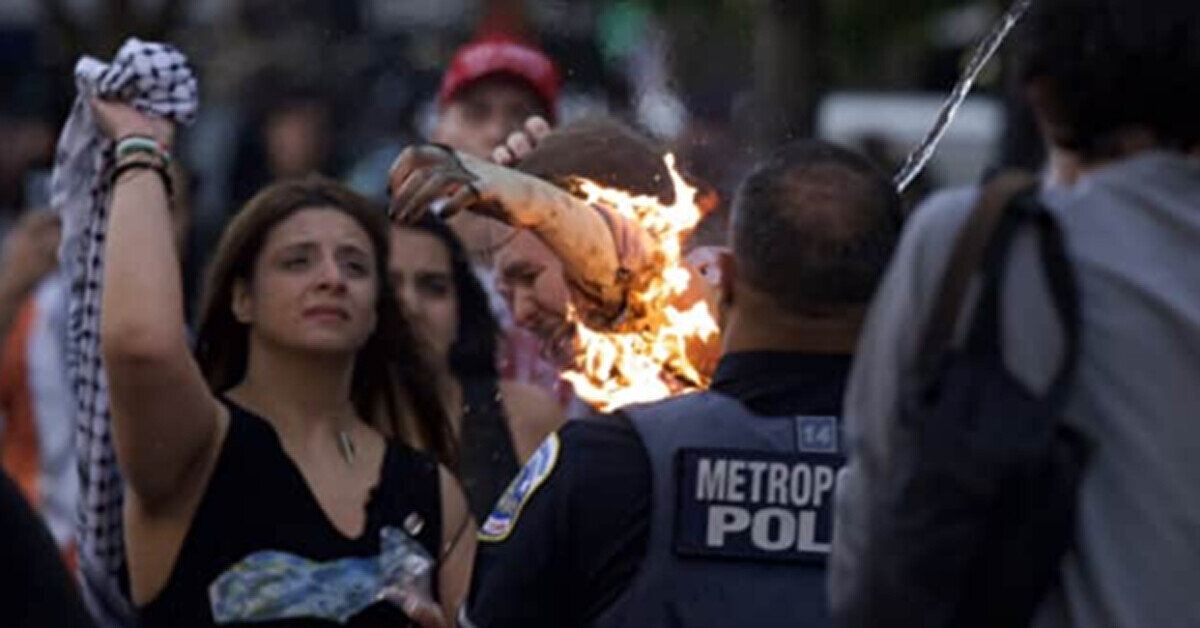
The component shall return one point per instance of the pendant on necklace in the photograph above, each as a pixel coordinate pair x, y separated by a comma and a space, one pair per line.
347, 447
413, 524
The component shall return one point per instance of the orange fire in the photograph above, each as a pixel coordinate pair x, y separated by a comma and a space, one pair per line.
644, 356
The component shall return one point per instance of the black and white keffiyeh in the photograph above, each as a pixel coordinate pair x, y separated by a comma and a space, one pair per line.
156, 79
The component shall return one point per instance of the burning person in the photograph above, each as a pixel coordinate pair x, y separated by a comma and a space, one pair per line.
594, 263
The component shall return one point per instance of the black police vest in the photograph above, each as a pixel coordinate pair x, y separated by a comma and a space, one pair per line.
742, 517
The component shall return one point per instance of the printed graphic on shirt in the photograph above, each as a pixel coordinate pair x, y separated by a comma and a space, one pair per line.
755, 505
272, 585
504, 516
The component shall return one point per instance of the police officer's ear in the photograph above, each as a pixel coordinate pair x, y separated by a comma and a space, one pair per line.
726, 279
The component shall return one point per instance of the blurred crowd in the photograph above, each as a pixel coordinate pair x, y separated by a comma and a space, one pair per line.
261, 280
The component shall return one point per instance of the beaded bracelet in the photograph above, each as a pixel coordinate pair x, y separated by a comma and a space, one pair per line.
129, 166
131, 144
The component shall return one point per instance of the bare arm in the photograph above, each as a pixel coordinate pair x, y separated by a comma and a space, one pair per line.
576, 232
458, 546
165, 419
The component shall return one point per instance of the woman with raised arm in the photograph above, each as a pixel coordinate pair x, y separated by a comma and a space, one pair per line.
497, 423
266, 480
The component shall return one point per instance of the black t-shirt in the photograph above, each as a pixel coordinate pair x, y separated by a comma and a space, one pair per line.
579, 532
35, 588
257, 499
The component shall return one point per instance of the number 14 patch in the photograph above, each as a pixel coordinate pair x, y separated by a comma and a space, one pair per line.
817, 434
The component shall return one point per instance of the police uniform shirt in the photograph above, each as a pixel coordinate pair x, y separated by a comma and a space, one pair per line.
574, 537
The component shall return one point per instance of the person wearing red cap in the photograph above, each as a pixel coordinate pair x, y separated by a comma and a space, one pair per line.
491, 87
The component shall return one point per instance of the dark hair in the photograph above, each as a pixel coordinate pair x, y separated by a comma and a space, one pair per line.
390, 377
474, 351
605, 151
1106, 65
814, 226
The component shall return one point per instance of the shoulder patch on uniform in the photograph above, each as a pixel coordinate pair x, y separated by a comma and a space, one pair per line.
500, 523
817, 434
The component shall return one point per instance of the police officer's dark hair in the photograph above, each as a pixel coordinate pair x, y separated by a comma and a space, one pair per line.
814, 226
1106, 65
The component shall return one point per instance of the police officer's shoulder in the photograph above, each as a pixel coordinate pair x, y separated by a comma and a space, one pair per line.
603, 447
599, 426
585, 455
601, 438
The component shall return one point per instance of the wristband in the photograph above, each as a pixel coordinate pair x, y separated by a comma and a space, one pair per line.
131, 144
142, 165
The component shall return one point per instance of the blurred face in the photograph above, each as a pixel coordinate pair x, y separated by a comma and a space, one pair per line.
314, 286
481, 116
421, 274
530, 278
296, 139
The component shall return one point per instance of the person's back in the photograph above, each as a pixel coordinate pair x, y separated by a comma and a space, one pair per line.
1138, 536
741, 505
1130, 221
1128, 228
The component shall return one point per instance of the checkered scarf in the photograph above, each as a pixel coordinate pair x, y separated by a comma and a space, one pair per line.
156, 79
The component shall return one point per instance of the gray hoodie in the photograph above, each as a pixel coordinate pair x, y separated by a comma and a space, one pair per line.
1132, 230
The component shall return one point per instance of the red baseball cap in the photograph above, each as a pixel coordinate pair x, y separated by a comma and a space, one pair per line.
497, 55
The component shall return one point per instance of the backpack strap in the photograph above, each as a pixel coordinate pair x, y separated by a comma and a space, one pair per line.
965, 258
1065, 291
986, 333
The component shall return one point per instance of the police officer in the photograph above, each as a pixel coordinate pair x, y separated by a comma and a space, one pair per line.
712, 509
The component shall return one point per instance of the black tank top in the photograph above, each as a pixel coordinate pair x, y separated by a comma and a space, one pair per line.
258, 500
487, 459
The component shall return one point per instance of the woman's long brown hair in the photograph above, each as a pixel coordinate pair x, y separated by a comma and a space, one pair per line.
392, 388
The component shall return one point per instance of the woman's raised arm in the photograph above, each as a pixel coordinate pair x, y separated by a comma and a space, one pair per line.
165, 419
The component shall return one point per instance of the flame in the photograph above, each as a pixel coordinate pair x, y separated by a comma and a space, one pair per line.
644, 356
